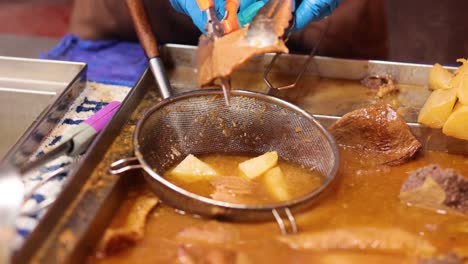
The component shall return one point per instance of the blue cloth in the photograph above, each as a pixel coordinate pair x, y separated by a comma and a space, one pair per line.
109, 61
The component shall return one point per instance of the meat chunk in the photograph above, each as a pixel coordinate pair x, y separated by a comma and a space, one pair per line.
234, 189
362, 238
450, 258
377, 131
220, 57
434, 187
382, 84
196, 254
209, 233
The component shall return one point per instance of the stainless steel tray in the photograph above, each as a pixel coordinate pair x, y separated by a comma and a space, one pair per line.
72, 227
34, 96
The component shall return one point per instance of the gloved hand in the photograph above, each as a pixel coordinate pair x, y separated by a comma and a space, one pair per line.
313, 10
190, 8
307, 11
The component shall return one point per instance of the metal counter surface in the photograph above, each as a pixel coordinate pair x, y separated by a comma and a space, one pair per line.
34, 95
73, 225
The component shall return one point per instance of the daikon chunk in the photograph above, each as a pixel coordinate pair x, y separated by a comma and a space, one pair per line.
192, 169
255, 167
276, 184
438, 107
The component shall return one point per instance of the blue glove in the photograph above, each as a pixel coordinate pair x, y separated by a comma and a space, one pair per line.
313, 10
190, 8
308, 11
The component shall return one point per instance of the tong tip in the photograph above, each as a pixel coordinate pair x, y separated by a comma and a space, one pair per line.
226, 84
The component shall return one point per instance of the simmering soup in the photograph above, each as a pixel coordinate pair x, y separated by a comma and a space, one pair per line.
359, 219
282, 181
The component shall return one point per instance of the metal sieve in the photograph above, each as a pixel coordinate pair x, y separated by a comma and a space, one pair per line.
199, 122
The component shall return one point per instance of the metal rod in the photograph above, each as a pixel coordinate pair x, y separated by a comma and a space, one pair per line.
42, 182
280, 222
61, 149
226, 85
292, 220
271, 88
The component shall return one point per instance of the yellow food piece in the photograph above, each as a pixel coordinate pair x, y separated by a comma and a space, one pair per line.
462, 89
255, 167
461, 71
439, 78
192, 169
275, 183
457, 122
438, 107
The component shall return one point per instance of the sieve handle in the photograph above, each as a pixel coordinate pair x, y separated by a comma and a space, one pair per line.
150, 45
124, 165
282, 225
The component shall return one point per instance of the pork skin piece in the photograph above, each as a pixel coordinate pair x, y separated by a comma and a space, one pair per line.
219, 58
128, 226
453, 185
212, 233
234, 189
378, 132
196, 254
450, 258
392, 240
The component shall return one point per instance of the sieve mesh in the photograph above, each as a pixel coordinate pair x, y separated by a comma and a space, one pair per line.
201, 123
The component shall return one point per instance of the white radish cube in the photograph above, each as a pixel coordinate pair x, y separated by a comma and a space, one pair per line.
275, 183
255, 167
192, 169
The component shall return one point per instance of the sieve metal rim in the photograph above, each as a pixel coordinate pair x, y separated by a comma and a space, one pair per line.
290, 204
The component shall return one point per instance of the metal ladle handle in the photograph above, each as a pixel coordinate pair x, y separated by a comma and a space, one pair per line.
150, 45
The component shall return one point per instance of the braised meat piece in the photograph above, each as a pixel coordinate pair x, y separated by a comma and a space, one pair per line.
361, 238
196, 254
378, 131
129, 226
382, 84
218, 58
211, 232
450, 258
432, 186
234, 189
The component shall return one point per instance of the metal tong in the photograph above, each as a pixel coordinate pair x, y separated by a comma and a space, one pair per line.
264, 30
217, 28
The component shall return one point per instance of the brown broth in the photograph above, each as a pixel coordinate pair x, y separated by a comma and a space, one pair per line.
299, 181
361, 196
